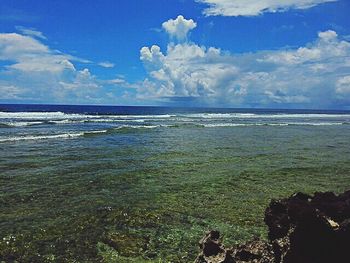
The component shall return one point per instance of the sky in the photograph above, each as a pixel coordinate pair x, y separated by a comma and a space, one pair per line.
193, 53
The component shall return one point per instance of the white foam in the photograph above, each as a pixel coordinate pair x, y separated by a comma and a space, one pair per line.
23, 119
47, 137
271, 124
115, 120
303, 116
263, 116
42, 137
162, 116
66, 121
227, 125
39, 115
243, 124
22, 123
316, 123
95, 132
219, 115
60, 117
139, 126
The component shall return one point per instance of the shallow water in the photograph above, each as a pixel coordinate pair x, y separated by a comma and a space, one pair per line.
130, 184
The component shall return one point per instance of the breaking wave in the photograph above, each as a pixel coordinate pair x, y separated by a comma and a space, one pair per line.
54, 125
23, 119
273, 124
41, 137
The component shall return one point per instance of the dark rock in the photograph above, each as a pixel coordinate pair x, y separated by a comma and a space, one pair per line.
212, 250
315, 229
277, 219
302, 229
254, 251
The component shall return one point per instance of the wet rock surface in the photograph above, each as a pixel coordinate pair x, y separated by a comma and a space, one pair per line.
302, 229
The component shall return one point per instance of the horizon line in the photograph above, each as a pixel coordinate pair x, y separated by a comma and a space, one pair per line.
189, 107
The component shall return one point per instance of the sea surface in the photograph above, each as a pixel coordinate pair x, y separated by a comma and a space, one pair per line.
143, 184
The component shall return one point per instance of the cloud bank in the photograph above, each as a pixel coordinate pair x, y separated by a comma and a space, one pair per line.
255, 8
31, 71
316, 75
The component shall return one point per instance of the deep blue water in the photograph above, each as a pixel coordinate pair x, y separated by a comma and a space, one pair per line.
147, 109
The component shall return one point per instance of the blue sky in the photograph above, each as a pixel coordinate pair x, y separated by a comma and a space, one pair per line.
220, 53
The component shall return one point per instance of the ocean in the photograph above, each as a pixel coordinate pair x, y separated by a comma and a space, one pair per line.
143, 184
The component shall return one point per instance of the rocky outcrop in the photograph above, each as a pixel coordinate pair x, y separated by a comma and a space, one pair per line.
307, 228
302, 229
213, 250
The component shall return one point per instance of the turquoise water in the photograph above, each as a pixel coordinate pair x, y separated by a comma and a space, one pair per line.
137, 185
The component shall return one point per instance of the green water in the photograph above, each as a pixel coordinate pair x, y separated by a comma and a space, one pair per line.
149, 195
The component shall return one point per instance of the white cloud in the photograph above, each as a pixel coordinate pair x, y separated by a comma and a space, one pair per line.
328, 35
116, 81
9, 92
14, 45
33, 71
309, 76
83, 79
186, 70
83, 86
343, 86
179, 27
106, 64
28, 54
30, 32
152, 55
254, 7
326, 47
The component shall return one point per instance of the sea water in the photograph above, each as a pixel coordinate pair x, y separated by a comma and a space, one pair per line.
117, 184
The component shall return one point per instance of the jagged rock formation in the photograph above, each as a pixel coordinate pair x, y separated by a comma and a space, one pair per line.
302, 229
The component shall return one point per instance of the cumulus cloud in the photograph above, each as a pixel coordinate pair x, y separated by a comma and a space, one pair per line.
309, 76
255, 8
327, 46
152, 57
185, 70
32, 71
179, 27
82, 78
